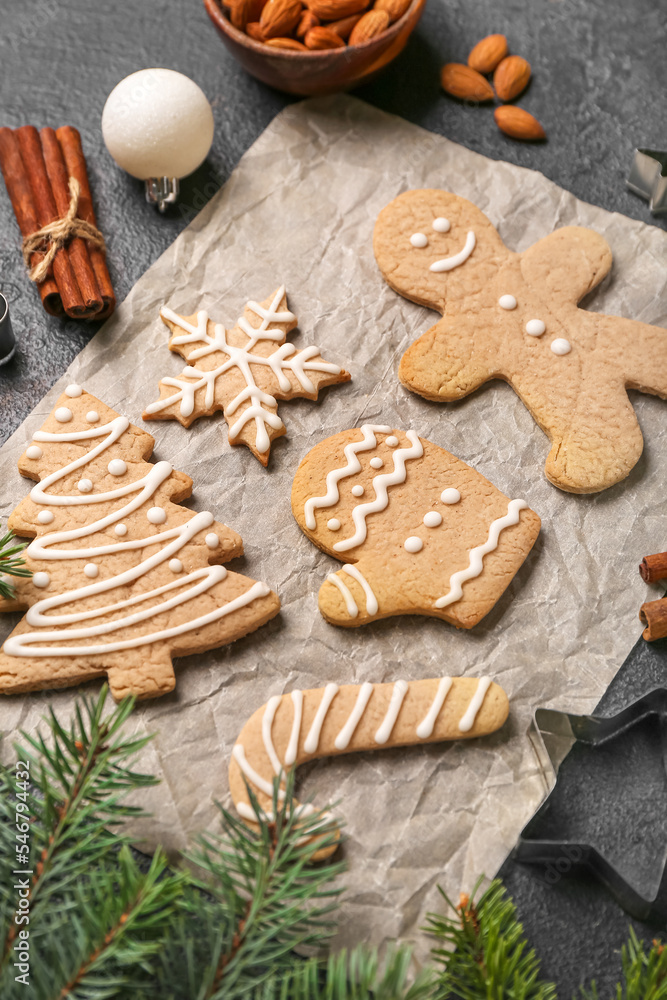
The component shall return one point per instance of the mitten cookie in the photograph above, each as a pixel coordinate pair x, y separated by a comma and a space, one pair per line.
423, 533
123, 577
243, 372
515, 317
294, 728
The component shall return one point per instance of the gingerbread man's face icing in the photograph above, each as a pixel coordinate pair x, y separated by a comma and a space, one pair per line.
515, 317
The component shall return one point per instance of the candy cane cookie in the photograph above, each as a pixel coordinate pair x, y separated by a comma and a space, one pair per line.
293, 728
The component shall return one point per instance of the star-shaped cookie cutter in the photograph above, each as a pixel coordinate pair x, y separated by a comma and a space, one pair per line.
553, 735
648, 178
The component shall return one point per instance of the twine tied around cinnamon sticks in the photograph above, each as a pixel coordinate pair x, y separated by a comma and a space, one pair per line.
57, 234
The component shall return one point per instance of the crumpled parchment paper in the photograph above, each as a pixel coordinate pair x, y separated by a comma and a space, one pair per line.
299, 210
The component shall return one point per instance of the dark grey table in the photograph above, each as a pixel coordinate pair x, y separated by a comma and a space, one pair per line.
599, 70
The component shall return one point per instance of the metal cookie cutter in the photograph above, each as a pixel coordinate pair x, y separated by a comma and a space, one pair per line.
648, 178
553, 735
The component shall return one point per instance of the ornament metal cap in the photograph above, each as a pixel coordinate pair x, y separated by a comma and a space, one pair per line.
162, 191
7, 339
648, 178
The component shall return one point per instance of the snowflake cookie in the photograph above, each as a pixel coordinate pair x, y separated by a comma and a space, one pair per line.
123, 578
243, 372
423, 533
515, 317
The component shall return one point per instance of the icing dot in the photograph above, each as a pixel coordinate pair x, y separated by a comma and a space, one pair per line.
92, 416
450, 495
413, 544
156, 515
535, 327
34, 451
333, 524
419, 240
561, 346
357, 491
84, 486
120, 529
442, 225
377, 462
73, 390
41, 579
117, 467
91, 570
392, 440
507, 302
175, 565
63, 415
432, 519
212, 540
45, 516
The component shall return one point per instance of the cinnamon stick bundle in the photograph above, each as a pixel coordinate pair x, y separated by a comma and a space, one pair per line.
653, 615
654, 568
37, 168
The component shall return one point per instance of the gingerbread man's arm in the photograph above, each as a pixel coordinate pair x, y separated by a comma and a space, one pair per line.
567, 264
447, 362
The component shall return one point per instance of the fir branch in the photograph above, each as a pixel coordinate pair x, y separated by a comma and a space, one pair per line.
11, 564
644, 972
486, 954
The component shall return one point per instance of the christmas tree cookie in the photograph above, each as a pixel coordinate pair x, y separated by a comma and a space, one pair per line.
243, 372
123, 577
419, 530
515, 317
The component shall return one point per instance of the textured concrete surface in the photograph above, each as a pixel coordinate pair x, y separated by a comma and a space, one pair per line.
599, 76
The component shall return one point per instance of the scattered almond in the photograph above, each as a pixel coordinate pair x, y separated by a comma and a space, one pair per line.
335, 10
286, 43
511, 77
280, 17
372, 24
308, 21
518, 124
253, 30
465, 83
395, 8
323, 38
486, 55
345, 26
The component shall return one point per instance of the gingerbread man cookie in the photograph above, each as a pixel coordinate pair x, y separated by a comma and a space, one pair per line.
515, 317
123, 577
294, 728
243, 372
421, 532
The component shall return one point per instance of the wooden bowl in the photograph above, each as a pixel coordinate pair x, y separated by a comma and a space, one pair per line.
324, 71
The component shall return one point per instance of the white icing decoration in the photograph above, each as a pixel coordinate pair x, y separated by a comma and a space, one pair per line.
468, 720
73, 390
350, 603
347, 732
267, 725
63, 415
476, 555
247, 812
238, 753
175, 565
357, 491
351, 468
120, 529
293, 745
45, 516
376, 463
91, 570
507, 302
92, 416
50, 626
212, 540
34, 451
449, 263
419, 240
426, 726
371, 599
392, 440
433, 519
193, 378
117, 467
413, 544
84, 486
380, 485
397, 695
561, 346
450, 495
156, 515
333, 524
535, 327
442, 225
312, 740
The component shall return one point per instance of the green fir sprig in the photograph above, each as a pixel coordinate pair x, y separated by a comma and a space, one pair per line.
644, 973
11, 564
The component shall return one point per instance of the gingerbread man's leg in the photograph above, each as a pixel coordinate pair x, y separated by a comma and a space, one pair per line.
446, 363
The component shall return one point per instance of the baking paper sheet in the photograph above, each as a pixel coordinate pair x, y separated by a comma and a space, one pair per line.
299, 210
